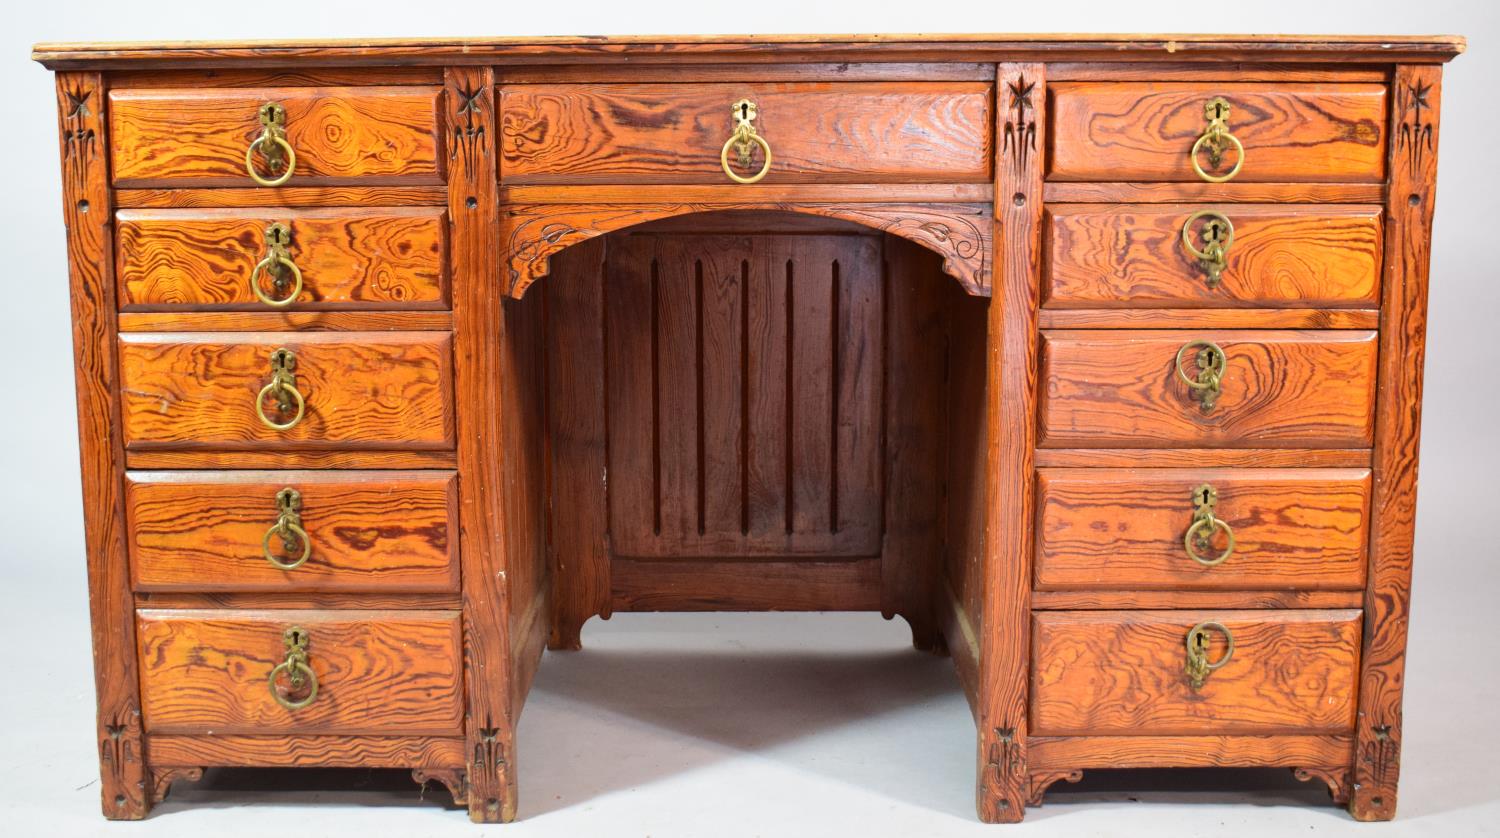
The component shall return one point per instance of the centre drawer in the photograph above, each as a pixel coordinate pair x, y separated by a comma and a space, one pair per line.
356, 672
1130, 672
675, 133
368, 531
287, 390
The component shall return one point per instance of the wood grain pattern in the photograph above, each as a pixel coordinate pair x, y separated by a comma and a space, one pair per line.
307, 750
208, 671
673, 133
682, 584
1128, 131
369, 531
1293, 528
83, 148
1200, 192
1121, 672
1125, 600
1212, 751
1203, 458
1131, 255
1280, 389
154, 459
357, 195
198, 390
1210, 318
311, 600
961, 233
198, 137
378, 258
285, 321
1413, 166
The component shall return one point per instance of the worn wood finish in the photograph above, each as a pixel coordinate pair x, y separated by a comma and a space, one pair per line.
1121, 672
198, 136
1110, 530
1290, 389
380, 258
377, 671
198, 390
1215, 751
304, 750
1403, 344
1132, 255
1130, 131
827, 132
369, 531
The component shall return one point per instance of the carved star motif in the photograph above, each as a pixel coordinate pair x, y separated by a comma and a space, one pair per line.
78, 103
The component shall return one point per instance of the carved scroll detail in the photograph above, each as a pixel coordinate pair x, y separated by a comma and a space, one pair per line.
960, 233
1042, 780
456, 779
162, 779
1337, 780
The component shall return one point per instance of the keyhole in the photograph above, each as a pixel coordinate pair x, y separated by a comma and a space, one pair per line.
1204, 502
744, 113
1219, 110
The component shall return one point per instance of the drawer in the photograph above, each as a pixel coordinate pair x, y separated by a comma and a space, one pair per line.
200, 137
674, 133
1144, 131
1132, 529
368, 390
207, 259
209, 671
1134, 256
1125, 389
368, 531
1126, 672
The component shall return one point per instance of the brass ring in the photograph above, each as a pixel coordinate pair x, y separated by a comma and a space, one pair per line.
1238, 162
724, 158
265, 265
289, 667
1204, 628
260, 406
1187, 232
1218, 367
286, 147
1212, 524
265, 545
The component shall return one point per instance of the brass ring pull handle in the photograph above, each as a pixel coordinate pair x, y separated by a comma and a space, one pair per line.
1201, 532
1205, 385
273, 145
1217, 235
743, 140
1214, 140
283, 386
286, 277
300, 677
1198, 666
289, 526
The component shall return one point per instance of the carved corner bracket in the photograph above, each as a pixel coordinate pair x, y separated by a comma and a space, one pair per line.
163, 777
456, 779
1337, 780
960, 233
1042, 780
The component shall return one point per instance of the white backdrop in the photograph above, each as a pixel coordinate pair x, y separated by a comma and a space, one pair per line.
1452, 690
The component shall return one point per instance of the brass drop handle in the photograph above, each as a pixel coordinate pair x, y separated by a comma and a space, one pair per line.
283, 387
1217, 234
286, 277
1201, 532
289, 526
1215, 139
1198, 665
743, 141
299, 675
272, 144
1205, 383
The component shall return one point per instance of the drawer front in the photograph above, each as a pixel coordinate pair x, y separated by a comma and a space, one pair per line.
1133, 255
1122, 389
209, 671
1132, 529
201, 260
180, 137
665, 133
1315, 133
360, 390
371, 531
1125, 672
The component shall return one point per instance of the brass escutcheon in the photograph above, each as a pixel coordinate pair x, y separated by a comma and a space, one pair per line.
289, 526
1198, 666
743, 140
1205, 384
273, 145
283, 386
278, 265
1215, 139
1200, 533
1217, 234
299, 674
